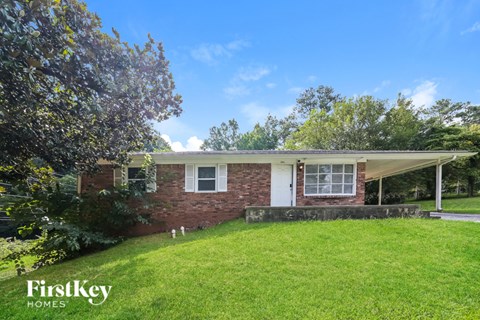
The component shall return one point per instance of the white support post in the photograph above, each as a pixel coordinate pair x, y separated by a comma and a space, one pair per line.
380, 191
438, 188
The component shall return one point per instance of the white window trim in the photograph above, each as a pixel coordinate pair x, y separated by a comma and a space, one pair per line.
218, 187
354, 188
125, 180
197, 178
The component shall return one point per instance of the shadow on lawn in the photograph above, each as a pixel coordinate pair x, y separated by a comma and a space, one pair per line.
130, 251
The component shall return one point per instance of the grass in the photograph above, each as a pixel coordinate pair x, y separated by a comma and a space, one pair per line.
452, 204
351, 269
8, 270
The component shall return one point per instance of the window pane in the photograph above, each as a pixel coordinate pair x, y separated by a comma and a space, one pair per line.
136, 173
311, 168
324, 189
324, 178
337, 168
337, 178
206, 172
349, 168
348, 178
311, 189
206, 185
324, 168
348, 188
311, 179
137, 185
337, 188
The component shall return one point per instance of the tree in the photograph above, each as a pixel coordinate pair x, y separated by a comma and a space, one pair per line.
71, 94
157, 144
471, 114
459, 138
446, 112
270, 136
320, 98
401, 126
353, 124
223, 138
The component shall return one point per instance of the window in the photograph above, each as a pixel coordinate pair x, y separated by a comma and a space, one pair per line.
206, 178
329, 179
136, 178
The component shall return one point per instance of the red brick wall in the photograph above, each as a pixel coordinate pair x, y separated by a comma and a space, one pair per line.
248, 185
101, 180
359, 198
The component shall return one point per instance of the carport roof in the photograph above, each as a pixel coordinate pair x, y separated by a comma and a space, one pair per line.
379, 163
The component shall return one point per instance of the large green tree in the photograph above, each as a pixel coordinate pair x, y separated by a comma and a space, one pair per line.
268, 136
223, 138
400, 126
353, 123
71, 94
319, 98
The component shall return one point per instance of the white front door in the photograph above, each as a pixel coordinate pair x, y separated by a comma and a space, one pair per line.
282, 185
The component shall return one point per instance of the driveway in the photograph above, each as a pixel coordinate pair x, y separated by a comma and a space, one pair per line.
457, 216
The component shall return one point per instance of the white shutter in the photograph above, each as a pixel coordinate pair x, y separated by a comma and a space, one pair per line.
152, 176
119, 176
222, 178
189, 178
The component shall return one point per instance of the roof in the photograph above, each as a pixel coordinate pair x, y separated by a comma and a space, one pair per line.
299, 152
379, 163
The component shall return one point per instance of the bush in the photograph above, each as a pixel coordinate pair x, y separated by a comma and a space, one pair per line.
13, 250
389, 198
72, 225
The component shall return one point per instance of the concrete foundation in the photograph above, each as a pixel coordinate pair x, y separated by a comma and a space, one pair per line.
278, 214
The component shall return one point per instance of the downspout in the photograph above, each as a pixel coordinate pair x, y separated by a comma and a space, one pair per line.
380, 191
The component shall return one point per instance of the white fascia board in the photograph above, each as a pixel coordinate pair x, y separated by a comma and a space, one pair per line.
291, 158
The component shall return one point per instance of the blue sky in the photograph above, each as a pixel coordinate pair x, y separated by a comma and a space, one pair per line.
245, 59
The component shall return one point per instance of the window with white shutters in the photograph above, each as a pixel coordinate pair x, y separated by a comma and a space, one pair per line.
206, 178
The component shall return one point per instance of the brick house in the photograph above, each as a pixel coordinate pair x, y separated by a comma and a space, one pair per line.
199, 189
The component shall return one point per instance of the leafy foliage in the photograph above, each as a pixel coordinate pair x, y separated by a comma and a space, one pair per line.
224, 138
352, 124
269, 136
13, 250
73, 225
316, 99
71, 94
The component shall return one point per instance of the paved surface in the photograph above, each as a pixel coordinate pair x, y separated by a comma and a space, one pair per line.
457, 216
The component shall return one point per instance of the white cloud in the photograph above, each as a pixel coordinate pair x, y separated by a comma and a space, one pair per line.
257, 113
236, 90
424, 94
384, 84
406, 92
474, 28
193, 143
252, 73
211, 53
237, 45
245, 75
271, 85
295, 90
312, 78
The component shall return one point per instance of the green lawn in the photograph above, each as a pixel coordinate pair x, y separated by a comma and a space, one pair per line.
452, 204
350, 269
